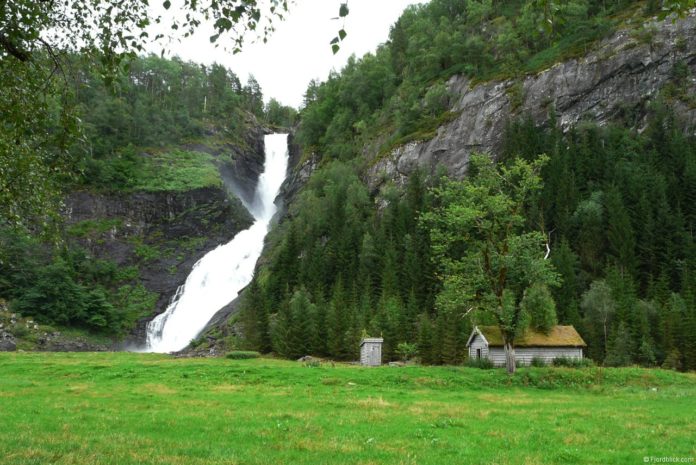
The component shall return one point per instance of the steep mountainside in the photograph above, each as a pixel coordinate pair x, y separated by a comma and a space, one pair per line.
161, 160
164, 233
613, 108
614, 83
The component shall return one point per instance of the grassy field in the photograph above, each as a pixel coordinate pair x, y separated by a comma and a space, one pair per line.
151, 409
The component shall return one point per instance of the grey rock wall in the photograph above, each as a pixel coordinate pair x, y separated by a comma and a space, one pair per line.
620, 76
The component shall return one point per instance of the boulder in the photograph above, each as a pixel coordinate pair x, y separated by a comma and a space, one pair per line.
7, 342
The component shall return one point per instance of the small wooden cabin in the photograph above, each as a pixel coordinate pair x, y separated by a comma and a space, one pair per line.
562, 341
371, 351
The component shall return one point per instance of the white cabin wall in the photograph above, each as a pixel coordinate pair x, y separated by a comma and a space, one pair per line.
524, 355
478, 343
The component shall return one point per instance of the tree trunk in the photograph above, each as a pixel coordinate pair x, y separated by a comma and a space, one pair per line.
510, 358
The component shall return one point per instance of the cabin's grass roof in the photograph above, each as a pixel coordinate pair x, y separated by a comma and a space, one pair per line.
559, 336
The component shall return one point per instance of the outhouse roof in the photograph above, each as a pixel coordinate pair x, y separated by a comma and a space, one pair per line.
372, 339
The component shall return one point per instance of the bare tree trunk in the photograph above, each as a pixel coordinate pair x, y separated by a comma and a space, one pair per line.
510, 358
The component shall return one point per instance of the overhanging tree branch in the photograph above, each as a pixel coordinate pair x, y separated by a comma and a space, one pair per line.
14, 50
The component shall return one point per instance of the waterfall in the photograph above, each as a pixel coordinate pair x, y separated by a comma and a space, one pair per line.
217, 278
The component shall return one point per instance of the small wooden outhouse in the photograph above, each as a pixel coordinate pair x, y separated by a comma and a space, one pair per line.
561, 341
371, 351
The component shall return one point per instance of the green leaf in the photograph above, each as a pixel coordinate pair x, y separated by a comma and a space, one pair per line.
342, 34
166, 4
343, 11
223, 24
335, 40
335, 48
214, 38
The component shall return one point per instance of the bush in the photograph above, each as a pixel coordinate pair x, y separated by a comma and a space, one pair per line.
242, 354
537, 362
20, 331
482, 363
406, 351
571, 362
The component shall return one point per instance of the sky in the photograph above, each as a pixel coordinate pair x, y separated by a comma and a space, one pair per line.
299, 49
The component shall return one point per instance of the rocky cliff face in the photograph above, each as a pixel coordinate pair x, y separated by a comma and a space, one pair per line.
299, 171
240, 165
163, 234
620, 77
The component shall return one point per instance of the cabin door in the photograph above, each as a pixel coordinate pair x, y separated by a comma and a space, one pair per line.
478, 353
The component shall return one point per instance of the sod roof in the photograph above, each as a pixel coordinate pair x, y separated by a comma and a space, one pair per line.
559, 336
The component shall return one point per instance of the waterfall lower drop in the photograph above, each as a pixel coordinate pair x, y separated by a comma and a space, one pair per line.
217, 278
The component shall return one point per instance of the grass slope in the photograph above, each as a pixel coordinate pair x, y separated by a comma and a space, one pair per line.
150, 409
178, 170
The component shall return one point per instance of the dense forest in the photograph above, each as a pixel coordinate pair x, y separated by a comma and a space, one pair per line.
617, 206
160, 103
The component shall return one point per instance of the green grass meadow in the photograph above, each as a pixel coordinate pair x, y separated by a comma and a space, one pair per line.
125, 409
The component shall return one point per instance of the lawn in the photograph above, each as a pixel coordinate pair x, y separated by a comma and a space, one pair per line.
152, 409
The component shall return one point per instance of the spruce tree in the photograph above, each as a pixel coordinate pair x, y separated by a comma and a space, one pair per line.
301, 328
425, 340
620, 237
619, 353
566, 295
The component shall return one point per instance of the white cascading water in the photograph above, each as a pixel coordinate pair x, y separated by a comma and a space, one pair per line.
217, 278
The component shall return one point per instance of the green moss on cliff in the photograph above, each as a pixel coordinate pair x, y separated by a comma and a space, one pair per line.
178, 170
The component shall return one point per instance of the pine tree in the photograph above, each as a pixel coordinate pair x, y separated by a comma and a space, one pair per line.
425, 340
301, 330
254, 318
620, 238
619, 353
566, 295
390, 280
337, 323
589, 232
280, 331
646, 354
320, 344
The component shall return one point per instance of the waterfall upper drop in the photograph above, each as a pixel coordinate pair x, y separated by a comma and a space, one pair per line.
217, 278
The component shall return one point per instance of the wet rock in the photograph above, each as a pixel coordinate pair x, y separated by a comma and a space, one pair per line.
55, 342
7, 342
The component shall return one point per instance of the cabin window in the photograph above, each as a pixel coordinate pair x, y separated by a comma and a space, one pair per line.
478, 353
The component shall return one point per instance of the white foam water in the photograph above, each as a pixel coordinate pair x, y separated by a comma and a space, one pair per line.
217, 278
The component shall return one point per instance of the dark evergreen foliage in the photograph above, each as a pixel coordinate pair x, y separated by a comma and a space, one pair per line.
620, 207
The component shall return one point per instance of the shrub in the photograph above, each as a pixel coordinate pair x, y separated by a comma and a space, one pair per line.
482, 363
571, 362
537, 362
406, 350
20, 331
242, 354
